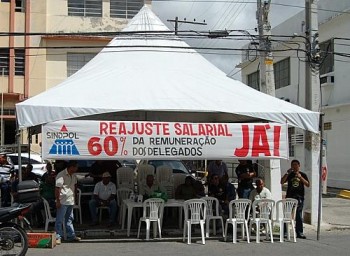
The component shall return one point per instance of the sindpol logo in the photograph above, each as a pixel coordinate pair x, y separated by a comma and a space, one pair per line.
64, 144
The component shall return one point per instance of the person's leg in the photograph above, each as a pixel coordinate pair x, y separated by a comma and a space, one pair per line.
246, 193
299, 217
60, 213
112, 211
38, 207
68, 220
93, 210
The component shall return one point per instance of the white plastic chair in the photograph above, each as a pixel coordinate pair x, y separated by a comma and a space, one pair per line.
213, 214
100, 209
195, 213
152, 212
48, 215
262, 213
125, 177
77, 205
49, 218
164, 177
238, 214
164, 174
143, 171
122, 194
286, 209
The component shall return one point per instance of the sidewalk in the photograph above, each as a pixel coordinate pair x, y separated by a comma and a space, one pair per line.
335, 213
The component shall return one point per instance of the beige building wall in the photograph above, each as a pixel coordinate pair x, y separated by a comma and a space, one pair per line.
47, 67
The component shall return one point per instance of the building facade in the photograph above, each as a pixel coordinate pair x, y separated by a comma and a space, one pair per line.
44, 41
289, 71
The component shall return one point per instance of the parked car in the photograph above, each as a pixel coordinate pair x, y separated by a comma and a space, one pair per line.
129, 163
35, 160
177, 165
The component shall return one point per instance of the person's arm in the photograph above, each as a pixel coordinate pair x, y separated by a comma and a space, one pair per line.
57, 197
247, 175
303, 179
58, 187
111, 197
285, 176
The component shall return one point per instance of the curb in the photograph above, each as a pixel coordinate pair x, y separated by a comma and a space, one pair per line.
344, 194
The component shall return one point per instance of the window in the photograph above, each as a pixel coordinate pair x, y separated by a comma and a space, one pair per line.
327, 126
19, 62
20, 6
327, 49
125, 9
5, 61
282, 73
76, 61
291, 132
253, 80
86, 8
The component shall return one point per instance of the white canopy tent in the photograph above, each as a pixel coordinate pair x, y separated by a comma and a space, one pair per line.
157, 77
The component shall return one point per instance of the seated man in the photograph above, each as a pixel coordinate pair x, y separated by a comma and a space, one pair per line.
47, 186
36, 202
230, 188
218, 190
260, 192
104, 195
146, 190
186, 191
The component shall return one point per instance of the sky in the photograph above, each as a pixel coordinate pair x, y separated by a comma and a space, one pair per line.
225, 14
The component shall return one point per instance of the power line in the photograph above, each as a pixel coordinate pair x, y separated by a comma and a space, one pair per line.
252, 2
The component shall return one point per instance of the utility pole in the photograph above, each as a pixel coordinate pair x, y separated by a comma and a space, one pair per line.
177, 21
267, 85
312, 102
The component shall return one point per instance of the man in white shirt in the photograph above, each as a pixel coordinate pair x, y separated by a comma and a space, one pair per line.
260, 192
146, 190
104, 195
65, 193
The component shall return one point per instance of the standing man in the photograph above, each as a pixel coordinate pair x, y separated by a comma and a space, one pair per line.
104, 195
217, 167
65, 194
297, 181
245, 174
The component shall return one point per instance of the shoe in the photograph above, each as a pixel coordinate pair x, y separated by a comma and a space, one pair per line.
75, 239
58, 241
302, 236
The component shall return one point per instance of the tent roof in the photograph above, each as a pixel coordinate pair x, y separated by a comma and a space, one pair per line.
152, 76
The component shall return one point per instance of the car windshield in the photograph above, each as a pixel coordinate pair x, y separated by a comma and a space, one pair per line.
24, 160
177, 166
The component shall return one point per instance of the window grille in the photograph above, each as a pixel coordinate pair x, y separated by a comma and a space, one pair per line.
85, 8
5, 61
326, 50
253, 80
76, 61
282, 73
125, 9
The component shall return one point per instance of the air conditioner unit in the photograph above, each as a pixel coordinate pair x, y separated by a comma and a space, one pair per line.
327, 79
297, 139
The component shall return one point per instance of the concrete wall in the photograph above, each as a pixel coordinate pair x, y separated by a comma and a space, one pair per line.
335, 98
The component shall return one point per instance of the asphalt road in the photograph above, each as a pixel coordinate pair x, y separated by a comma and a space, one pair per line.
335, 242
